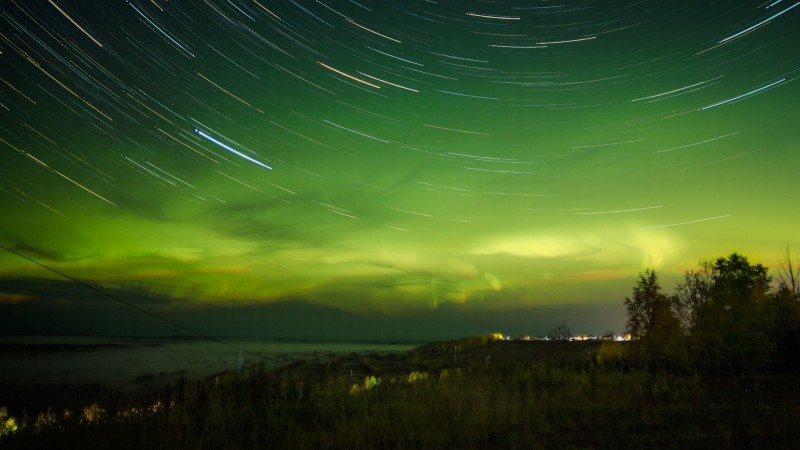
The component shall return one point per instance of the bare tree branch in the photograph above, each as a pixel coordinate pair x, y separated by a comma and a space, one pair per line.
789, 271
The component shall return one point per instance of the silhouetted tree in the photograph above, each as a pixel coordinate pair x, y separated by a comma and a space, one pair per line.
789, 273
560, 332
647, 298
785, 312
691, 293
658, 334
732, 330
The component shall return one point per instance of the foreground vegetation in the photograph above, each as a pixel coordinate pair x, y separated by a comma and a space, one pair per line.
561, 395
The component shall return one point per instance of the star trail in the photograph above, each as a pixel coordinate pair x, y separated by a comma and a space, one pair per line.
450, 165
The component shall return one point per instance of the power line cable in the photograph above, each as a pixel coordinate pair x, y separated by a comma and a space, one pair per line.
131, 305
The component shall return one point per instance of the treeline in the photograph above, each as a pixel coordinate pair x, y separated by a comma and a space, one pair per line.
725, 317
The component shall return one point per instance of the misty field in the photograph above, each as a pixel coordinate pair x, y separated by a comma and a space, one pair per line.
468, 394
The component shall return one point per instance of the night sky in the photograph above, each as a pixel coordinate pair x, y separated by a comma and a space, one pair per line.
385, 170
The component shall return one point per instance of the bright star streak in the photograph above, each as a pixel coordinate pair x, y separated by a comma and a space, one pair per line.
75, 23
752, 27
388, 82
374, 32
746, 94
228, 148
488, 16
676, 90
348, 75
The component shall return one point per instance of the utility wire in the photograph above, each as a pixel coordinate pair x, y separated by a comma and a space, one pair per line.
131, 305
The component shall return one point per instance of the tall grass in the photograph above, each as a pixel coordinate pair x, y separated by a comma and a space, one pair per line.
528, 405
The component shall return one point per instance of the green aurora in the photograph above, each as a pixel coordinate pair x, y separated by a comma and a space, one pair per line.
435, 168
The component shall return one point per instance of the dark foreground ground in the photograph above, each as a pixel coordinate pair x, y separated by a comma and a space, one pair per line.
473, 393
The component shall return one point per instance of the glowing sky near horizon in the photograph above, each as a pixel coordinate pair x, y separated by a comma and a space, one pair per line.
378, 156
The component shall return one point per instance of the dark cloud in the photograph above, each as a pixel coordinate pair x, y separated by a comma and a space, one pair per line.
66, 292
38, 252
